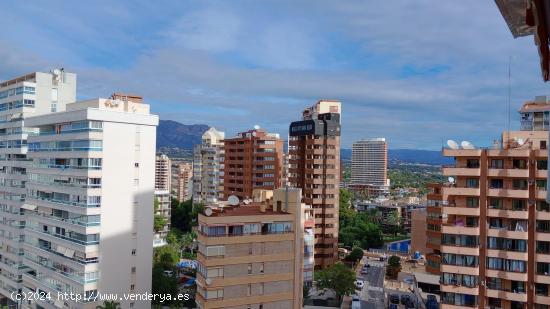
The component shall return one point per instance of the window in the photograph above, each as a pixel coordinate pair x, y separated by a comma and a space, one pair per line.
133, 251
472, 163
250, 269
519, 163
214, 272
136, 164
133, 270
261, 268
542, 164
132, 287
132, 305
261, 289
496, 184
249, 290
519, 184
472, 202
496, 163
496, 203
215, 250
472, 183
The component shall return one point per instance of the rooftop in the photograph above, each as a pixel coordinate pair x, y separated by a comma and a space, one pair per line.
252, 209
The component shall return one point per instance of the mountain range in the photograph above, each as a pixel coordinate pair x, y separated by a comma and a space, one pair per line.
172, 135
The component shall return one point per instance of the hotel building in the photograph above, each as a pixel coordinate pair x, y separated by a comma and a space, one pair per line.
208, 167
314, 166
495, 230
253, 160
163, 179
251, 253
369, 166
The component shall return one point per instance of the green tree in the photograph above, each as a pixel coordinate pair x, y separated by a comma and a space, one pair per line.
163, 284
355, 255
338, 278
305, 292
159, 222
393, 220
394, 267
109, 305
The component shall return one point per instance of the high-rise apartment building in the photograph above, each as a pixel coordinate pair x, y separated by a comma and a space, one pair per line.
495, 231
314, 166
182, 184
208, 167
251, 254
163, 180
20, 98
253, 160
369, 166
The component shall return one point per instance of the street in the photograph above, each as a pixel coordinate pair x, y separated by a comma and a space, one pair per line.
372, 294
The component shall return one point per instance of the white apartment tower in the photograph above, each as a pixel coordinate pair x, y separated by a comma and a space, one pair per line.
79, 192
369, 166
208, 163
20, 98
163, 178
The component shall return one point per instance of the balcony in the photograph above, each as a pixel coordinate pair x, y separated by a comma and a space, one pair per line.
459, 250
509, 193
464, 211
504, 232
460, 171
505, 213
452, 288
507, 275
464, 270
510, 255
514, 173
450, 228
506, 294
460, 191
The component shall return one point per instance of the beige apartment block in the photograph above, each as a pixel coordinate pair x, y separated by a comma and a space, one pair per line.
495, 221
251, 252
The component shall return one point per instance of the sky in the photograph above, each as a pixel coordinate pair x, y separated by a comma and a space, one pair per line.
415, 72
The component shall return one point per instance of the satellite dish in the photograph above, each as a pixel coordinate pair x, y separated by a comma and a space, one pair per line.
256, 127
452, 144
467, 145
56, 72
208, 211
233, 200
451, 179
246, 202
208, 281
520, 141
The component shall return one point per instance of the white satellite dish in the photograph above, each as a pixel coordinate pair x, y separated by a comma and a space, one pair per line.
208, 281
233, 200
56, 72
520, 141
467, 145
451, 179
256, 127
208, 211
246, 201
452, 144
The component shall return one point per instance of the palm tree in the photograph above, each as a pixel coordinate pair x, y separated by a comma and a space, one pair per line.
109, 305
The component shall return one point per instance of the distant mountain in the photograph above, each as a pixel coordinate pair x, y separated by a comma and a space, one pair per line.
172, 134
431, 157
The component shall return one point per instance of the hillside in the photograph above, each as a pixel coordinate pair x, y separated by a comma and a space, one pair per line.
172, 134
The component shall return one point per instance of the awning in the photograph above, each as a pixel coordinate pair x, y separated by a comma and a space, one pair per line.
28, 206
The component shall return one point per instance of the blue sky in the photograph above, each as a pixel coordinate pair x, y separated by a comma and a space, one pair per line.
415, 72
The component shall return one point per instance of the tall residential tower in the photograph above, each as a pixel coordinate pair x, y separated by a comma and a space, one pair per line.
314, 166
208, 167
369, 166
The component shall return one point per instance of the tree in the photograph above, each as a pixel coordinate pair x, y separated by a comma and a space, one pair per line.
109, 305
355, 255
393, 220
305, 291
394, 267
338, 278
159, 222
166, 256
163, 284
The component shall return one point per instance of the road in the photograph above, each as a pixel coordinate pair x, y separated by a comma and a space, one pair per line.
372, 295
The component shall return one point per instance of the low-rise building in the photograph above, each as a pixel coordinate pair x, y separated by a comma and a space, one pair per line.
251, 252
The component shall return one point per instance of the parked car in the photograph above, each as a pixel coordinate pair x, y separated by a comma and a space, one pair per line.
405, 299
394, 299
393, 306
359, 284
364, 271
431, 302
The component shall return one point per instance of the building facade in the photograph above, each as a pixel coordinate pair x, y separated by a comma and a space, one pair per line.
88, 207
369, 166
20, 98
182, 180
251, 254
162, 200
208, 167
253, 160
314, 166
495, 231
